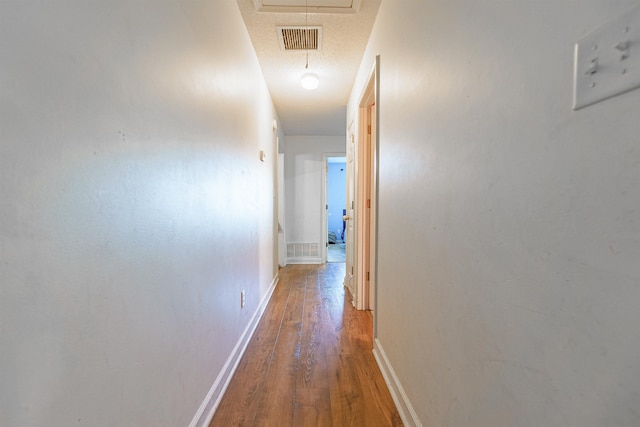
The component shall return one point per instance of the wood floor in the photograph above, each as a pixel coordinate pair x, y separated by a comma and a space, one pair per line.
309, 362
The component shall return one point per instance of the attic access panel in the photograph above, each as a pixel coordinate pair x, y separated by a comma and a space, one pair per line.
313, 6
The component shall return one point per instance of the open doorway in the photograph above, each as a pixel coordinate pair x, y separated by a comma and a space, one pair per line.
335, 206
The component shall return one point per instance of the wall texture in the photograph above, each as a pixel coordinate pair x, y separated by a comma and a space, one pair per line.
134, 207
509, 228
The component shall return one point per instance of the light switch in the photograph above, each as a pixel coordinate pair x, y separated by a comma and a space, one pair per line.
607, 60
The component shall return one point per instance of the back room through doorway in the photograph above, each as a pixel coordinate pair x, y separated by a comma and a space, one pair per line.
336, 200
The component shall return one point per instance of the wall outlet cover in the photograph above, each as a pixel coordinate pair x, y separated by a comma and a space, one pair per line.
607, 60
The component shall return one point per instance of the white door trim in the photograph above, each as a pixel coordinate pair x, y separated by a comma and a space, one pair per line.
369, 97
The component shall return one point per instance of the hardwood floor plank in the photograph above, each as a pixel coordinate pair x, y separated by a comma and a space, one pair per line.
279, 384
242, 410
347, 407
312, 407
310, 361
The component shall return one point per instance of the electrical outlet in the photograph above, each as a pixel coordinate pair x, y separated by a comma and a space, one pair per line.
242, 299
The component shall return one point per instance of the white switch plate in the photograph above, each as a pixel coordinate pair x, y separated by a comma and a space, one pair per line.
610, 75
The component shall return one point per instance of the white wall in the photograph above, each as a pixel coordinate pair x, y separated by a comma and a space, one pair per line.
303, 186
134, 207
509, 234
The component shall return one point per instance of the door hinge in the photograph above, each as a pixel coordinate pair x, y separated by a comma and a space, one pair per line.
368, 203
367, 276
326, 207
369, 129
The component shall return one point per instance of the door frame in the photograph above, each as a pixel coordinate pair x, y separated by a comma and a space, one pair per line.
367, 251
350, 233
282, 247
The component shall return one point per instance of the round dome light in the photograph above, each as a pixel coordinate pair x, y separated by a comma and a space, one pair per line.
310, 81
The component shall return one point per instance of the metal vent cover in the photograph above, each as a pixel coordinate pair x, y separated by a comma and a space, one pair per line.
302, 250
300, 38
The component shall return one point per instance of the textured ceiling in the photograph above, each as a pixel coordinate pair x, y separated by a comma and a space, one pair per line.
344, 38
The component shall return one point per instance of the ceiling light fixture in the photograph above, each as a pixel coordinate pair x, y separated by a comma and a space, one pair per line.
309, 81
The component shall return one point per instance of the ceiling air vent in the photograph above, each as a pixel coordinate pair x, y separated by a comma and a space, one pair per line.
300, 38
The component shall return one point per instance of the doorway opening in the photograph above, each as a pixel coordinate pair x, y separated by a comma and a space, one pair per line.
335, 184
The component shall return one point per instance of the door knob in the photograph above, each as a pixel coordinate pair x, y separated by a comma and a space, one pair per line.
346, 217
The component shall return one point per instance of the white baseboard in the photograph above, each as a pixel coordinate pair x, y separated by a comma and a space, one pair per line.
304, 260
205, 412
400, 398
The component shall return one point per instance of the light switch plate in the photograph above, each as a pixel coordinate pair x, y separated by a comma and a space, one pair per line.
607, 60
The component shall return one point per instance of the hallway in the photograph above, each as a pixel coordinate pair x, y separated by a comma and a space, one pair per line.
309, 362
152, 184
